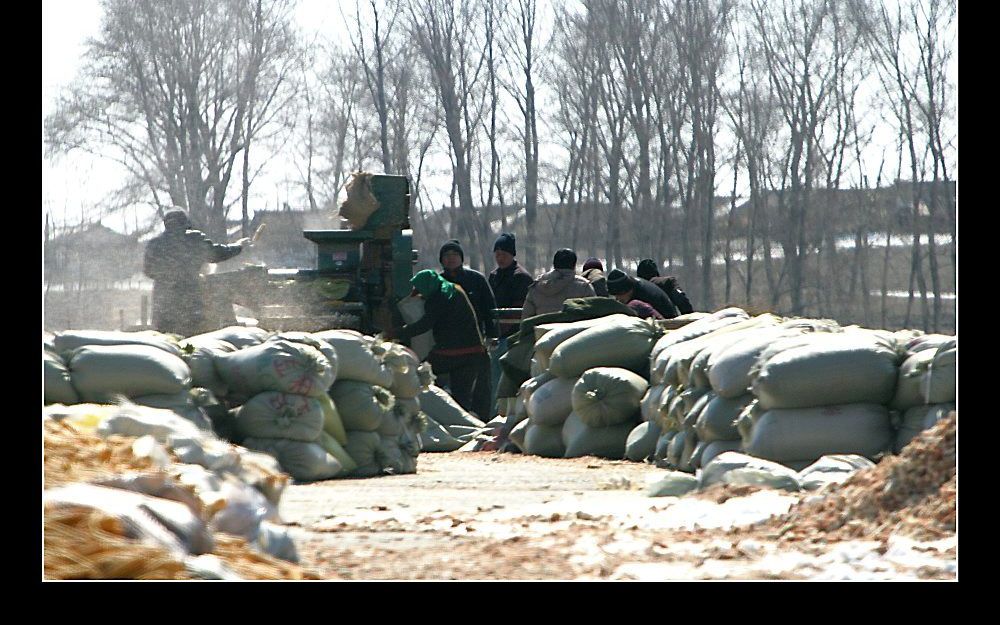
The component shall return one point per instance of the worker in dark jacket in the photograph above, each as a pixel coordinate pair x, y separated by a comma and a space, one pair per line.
510, 283
648, 271
174, 260
625, 288
593, 271
458, 344
473, 283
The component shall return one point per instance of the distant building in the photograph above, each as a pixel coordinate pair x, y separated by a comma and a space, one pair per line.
91, 256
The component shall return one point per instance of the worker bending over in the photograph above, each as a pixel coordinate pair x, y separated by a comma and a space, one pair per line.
458, 344
648, 271
625, 288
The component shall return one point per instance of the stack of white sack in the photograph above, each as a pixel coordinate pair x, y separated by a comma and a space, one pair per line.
925, 390
822, 393
147, 368
585, 398
280, 386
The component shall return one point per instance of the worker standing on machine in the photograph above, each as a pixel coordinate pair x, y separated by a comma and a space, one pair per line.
173, 260
458, 344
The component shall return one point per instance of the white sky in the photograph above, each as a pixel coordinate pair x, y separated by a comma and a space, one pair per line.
73, 186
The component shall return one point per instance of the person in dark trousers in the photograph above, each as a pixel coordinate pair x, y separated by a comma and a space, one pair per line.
648, 271
473, 283
458, 345
173, 260
593, 271
510, 283
625, 288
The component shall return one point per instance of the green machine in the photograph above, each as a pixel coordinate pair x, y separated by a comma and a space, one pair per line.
358, 274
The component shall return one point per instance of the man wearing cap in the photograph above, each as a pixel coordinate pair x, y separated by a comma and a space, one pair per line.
510, 283
173, 260
553, 288
625, 288
593, 271
648, 271
475, 285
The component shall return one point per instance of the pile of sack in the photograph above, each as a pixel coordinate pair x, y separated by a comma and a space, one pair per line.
788, 391
585, 396
330, 404
167, 484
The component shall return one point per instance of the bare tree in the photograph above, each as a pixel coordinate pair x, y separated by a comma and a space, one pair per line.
175, 92
445, 32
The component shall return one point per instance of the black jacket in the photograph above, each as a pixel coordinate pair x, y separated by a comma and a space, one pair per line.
452, 320
510, 287
676, 295
480, 296
646, 291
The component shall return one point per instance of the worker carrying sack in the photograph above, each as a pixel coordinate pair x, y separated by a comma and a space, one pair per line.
806, 434
361, 406
551, 403
100, 372
412, 310
280, 415
57, 386
607, 396
825, 370
624, 343
356, 360
276, 366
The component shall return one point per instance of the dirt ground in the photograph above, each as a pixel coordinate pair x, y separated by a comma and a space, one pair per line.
489, 516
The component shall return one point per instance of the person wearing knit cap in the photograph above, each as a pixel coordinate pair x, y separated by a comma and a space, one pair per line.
452, 258
477, 287
647, 270
510, 283
509, 280
458, 345
554, 287
173, 260
593, 271
625, 288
